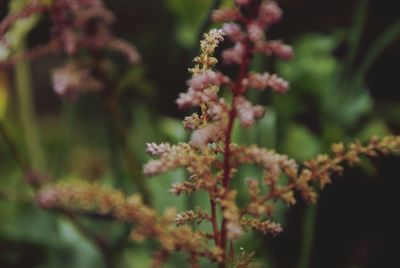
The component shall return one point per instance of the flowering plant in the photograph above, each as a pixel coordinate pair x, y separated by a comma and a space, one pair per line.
217, 91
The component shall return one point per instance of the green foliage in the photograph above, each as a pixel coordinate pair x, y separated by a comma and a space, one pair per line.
189, 16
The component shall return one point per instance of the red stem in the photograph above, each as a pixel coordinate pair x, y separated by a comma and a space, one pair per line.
237, 90
214, 222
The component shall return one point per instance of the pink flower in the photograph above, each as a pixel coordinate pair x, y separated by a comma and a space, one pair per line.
234, 54
255, 32
194, 98
278, 84
205, 79
203, 136
233, 31
269, 13
265, 80
242, 2
277, 48
157, 149
246, 112
224, 14
71, 80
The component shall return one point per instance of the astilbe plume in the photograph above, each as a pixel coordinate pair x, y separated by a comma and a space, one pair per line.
212, 160
76, 26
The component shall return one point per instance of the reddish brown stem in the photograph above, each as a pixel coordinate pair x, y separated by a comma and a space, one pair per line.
237, 90
214, 222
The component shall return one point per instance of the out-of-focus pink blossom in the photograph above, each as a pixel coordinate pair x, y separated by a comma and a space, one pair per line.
246, 112
270, 13
205, 79
265, 80
234, 54
255, 32
233, 31
202, 136
242, 2
157, 149
224, 14
277, 48
71, 80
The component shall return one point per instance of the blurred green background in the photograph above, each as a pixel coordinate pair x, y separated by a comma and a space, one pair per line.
344, 84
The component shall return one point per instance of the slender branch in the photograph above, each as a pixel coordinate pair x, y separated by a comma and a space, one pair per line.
129, 158
308, 236
214, 222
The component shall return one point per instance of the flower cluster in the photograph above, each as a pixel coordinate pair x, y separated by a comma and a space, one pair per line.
211, 159
76, 26
82, 195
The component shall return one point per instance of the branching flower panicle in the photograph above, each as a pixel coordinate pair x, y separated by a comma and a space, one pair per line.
210, 157
76, 26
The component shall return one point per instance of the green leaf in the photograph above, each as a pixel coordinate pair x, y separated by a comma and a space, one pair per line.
300, 143
374, 127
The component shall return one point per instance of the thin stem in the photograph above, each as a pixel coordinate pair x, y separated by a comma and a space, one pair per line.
355, 35
214, 222
237, 90
308, 236
27, 112
129, 158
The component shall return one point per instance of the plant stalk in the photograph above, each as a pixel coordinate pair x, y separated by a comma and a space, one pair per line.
27, 113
